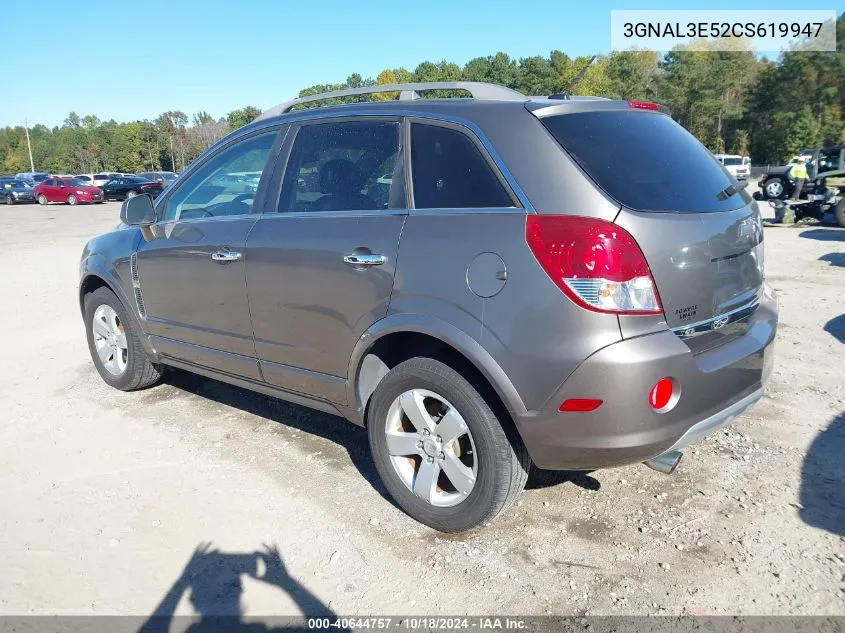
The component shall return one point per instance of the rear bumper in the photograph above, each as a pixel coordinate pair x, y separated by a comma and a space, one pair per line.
715, 386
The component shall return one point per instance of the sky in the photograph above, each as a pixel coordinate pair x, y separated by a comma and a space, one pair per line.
135, 60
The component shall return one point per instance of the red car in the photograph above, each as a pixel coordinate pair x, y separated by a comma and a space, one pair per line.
70, 190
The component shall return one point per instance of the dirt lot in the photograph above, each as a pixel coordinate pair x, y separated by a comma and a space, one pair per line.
105, 496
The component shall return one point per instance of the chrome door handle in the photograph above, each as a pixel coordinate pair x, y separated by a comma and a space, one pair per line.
359, 259
226, 256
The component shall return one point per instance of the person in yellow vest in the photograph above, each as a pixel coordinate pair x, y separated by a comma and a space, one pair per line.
798, 171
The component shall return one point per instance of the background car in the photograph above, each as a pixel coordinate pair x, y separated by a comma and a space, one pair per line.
735, 164
129, 187
32, 178
70, 190
164, 177
13, 191
97, 180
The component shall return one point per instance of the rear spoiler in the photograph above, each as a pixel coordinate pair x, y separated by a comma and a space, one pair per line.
551, 106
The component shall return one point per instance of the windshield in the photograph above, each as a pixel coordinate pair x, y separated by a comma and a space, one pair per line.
733, 161
76, 182
636, 157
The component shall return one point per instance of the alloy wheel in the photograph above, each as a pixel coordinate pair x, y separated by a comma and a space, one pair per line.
774, 188
431, 448
110, 340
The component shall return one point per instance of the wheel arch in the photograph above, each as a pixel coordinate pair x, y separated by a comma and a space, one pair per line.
400, 337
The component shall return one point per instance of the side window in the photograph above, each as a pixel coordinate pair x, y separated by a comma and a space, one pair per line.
211, 191
344, 166
828, 160
450, 172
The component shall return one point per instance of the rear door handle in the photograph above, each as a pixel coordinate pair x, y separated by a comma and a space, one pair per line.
226, 256
360, 259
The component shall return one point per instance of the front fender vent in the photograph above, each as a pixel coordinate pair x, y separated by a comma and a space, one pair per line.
136, 285
133, 266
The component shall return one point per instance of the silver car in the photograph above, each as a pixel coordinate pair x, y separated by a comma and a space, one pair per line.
485, 284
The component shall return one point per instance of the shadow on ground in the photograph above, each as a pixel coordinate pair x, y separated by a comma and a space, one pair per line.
834, 259
823, 479
213, 581
538, 479
824, 235
333, 428
836, 328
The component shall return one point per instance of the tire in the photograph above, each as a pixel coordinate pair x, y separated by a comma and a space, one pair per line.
774, 188
10, 199
135, 371
42, 199
131, 194
72, 201
839, 213
498, 465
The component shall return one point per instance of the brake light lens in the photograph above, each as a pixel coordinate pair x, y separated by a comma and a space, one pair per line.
643, 105
597, 264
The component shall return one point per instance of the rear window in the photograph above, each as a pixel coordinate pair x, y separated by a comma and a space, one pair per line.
644, 161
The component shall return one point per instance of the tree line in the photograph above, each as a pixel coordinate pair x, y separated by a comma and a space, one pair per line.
731, 101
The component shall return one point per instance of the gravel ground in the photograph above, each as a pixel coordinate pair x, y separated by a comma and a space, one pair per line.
106, 498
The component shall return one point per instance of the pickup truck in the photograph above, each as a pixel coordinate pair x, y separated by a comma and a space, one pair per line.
823, 191
777, 184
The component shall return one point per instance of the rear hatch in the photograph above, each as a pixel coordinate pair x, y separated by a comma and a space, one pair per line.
701, 237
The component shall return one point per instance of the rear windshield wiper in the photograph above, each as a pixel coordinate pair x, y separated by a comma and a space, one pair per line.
730, 190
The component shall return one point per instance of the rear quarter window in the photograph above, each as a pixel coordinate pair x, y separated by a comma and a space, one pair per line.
645, 161
450, 172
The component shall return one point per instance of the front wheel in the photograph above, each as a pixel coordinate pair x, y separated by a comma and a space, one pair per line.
774, 189
42, 199
71, 200
10, 199
439, 448
115, 345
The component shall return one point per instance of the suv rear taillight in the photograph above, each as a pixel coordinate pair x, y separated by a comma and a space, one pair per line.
596, 263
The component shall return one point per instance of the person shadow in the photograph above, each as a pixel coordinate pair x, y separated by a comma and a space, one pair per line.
214, 580
823, 480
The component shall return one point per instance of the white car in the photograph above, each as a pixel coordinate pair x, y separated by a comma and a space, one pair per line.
96, 180
738, 166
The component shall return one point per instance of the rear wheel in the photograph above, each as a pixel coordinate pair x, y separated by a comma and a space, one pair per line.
440, 450
114, 343
131, 194
71, 200
774, 188
42, 199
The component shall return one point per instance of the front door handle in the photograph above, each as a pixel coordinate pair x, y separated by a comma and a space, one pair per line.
361, 259
226, 256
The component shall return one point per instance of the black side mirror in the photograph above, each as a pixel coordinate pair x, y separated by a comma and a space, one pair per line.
138, 211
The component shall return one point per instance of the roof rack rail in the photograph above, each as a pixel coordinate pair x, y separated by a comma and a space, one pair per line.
407, 92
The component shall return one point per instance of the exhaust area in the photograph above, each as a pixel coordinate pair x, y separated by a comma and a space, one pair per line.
665, 463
